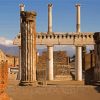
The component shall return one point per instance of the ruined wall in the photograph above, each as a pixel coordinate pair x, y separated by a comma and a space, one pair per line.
2, 55
89, 60
12, 61
3, 75
60, 57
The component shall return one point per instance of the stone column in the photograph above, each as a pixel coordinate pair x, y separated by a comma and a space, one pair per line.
19, 63
50, 48
78, 59
22, 6
97, 57
28, 48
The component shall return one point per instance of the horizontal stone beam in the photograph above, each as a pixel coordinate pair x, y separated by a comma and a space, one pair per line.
61, 39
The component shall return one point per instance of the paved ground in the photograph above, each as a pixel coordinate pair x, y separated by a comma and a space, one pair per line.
54, 93
51, 92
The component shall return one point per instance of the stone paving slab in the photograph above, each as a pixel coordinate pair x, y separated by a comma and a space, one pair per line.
54, 92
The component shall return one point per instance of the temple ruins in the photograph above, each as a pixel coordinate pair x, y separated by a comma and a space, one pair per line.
29, 38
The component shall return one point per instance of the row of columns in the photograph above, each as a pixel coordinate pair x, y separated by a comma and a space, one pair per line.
28, 47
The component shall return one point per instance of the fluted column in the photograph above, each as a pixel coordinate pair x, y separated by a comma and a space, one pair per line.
50, 48
22, 6
78, 59
28, 48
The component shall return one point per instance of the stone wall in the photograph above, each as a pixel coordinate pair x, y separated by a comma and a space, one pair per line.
60, 57
12, 60
89, 60
89, 67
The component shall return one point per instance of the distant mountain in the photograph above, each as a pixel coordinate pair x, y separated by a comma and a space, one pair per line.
10, 50
14, 50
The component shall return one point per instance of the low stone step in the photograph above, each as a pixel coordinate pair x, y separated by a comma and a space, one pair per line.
63, 77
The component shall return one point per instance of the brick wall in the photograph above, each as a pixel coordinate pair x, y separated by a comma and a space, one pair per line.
59, 57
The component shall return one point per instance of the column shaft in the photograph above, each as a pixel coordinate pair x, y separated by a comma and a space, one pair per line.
28, 48
50, 63
22, 6
50, 48
78, 59
79, 63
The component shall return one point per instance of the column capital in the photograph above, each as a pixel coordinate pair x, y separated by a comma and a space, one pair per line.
50, 5
77, 5
28, 16
22, 6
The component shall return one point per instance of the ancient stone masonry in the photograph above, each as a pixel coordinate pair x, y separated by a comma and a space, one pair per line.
97, 53
60, 58
28, 48
3, 75
28, 39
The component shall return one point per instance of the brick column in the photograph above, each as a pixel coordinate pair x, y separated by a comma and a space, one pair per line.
28, 48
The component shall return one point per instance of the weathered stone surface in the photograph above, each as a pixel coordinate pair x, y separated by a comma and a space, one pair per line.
3, 75
60, 58
28, 48
97, 53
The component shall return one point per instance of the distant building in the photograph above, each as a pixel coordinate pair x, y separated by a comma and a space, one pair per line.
2, 55
12, 60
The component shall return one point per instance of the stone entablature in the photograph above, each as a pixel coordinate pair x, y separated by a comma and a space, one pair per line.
62, 39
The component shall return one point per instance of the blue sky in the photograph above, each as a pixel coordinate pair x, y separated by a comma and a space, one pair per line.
64, 15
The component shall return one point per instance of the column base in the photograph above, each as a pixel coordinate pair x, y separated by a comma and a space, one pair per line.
27, 83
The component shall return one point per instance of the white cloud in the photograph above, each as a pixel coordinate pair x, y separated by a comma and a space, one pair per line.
5, 41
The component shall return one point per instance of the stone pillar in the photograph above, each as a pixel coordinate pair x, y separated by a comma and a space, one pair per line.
19, 63
22, 6
50, 48
78, 59
49, 18
97, 56
28, 48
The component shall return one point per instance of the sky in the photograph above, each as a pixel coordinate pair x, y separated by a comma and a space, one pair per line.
64, 15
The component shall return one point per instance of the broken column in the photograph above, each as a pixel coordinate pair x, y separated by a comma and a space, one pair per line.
28, 48
50, 47
78, 59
